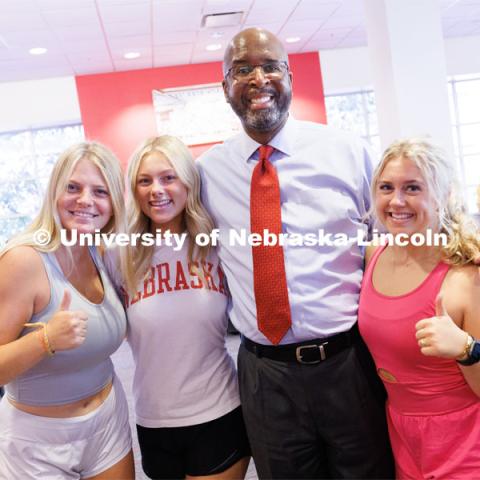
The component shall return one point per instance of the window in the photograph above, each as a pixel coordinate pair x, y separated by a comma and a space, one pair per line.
464, 93
356, 111
26, 160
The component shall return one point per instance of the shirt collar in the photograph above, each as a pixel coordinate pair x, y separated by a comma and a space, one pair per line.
283, 141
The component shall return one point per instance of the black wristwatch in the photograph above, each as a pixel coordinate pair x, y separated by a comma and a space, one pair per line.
473, 355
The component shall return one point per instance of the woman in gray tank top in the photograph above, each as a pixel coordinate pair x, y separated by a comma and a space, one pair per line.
64, 415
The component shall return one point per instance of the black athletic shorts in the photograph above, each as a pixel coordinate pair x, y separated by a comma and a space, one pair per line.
203, 449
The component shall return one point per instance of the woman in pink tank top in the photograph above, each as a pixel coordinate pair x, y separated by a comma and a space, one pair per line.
419, 314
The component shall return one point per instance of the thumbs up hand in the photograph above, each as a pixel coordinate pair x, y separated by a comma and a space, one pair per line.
67, 329
440, 336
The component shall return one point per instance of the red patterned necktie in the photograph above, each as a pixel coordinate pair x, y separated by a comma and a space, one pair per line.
269, 278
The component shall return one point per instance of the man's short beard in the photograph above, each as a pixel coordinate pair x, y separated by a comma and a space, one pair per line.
263, 120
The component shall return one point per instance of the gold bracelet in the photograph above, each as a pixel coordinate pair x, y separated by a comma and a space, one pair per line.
468, 346
44, 336
34, 325
46, 342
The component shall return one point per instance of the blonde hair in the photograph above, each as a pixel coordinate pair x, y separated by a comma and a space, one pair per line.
439, 174
196, 218
48, 218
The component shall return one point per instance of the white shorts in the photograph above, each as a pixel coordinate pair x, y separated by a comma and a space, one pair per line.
64, 448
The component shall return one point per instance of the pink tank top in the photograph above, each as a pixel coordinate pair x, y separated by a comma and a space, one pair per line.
416, 384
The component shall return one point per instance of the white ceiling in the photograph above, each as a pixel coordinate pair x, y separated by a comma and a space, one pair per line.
91, 36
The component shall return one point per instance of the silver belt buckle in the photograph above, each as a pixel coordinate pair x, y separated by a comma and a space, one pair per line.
321, 347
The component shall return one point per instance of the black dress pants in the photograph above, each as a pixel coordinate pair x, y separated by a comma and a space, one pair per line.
320, 421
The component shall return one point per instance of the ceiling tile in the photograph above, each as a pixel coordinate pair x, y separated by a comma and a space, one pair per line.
130, 42
223, 6
332, 34
266, 10
160, 37
303, 29
172, 54
7, 6
27, 73
354, 39
168, 60
75, 16
30, 38
294, 47
102, 3
118, 54
311, 9
79, 33
76, 46
92, 68
207, 35
125, 13
33, 63
207, 57
315, 45
64, 4
338, 21
179, 49
125, 29
22, 22
172, 3
134, 64
351, 7
89, 57
168, 17
326, 39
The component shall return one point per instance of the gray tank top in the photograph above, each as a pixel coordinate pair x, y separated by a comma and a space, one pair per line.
72, 375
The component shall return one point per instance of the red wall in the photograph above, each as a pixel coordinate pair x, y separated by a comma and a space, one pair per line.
117, 108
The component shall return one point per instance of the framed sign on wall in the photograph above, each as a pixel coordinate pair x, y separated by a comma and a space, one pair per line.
197, 115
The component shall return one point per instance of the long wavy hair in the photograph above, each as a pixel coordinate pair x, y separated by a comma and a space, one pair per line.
438, 172
196, 218
48, 218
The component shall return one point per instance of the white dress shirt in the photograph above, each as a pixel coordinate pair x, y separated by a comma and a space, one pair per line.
324, 177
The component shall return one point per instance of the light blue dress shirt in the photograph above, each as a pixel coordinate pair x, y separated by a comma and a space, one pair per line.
324, 177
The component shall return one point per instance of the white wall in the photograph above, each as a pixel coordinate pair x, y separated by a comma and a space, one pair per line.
38, 103
345, 69
463, 55
348, 69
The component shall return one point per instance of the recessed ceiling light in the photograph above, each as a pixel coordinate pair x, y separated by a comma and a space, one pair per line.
131, 55
292, 39
37, 51
217, 35
213, 46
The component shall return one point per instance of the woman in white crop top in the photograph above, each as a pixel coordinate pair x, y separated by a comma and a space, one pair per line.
187, 405
64, 415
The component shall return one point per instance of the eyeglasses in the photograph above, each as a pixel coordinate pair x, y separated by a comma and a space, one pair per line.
270, 70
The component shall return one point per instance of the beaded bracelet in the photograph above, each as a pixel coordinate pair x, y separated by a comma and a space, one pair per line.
44, 336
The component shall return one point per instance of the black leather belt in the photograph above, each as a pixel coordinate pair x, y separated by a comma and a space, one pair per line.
308, 352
